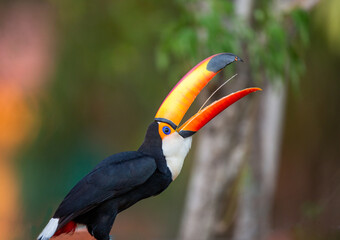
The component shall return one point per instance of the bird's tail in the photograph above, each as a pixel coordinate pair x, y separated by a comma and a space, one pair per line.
49, 230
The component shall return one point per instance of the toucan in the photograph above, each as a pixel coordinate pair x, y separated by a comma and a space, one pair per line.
123, 179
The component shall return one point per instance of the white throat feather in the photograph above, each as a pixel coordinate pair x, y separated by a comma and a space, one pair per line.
175, 148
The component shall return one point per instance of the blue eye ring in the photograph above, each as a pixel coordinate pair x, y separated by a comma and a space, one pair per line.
166, 130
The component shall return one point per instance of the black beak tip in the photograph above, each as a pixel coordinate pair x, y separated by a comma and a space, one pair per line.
222, 60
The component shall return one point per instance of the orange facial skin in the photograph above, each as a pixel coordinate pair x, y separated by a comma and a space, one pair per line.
164, 129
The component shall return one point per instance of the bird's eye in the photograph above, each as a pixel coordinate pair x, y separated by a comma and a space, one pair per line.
166, 130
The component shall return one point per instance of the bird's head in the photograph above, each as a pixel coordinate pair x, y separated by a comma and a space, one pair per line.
175, 141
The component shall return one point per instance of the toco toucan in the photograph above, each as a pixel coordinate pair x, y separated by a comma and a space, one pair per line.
123, 179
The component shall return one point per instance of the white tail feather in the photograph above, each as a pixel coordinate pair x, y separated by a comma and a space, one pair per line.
49, 230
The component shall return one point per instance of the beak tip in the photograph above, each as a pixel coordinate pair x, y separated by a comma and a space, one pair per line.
220, 61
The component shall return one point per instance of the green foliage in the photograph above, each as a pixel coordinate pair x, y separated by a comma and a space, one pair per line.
275, 44
195, 36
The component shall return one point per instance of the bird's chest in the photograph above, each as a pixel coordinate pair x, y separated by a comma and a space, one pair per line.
156, 184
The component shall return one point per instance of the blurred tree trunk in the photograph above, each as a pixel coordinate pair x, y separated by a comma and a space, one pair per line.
255, 201
221, 150
246, 136
256, 193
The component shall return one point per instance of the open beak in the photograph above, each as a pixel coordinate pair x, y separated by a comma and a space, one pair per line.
180, 98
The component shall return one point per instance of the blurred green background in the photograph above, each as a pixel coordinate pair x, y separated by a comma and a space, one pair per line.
81, 80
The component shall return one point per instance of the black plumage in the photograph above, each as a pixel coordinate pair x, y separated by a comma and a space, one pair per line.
115, 184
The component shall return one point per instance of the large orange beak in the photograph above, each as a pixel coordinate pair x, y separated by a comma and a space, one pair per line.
178, 101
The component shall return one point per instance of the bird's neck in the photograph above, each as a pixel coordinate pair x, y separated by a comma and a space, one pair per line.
152, 146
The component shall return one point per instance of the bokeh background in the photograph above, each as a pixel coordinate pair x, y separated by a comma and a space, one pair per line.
81, 80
